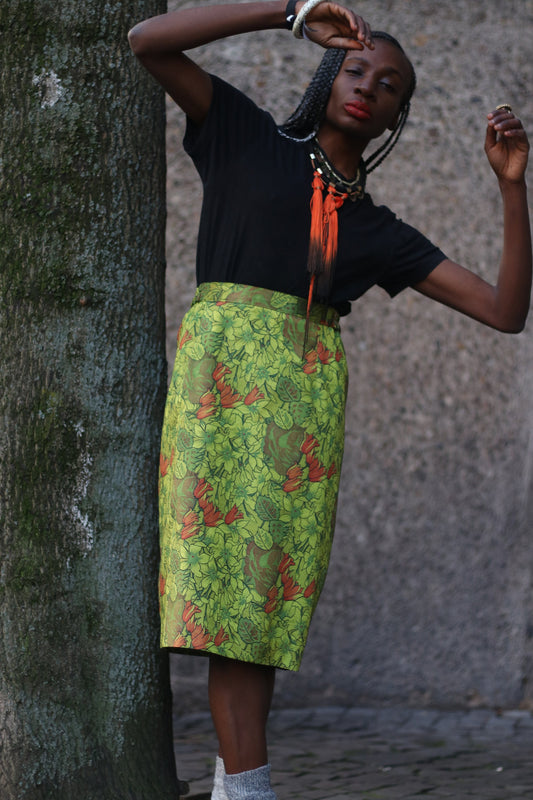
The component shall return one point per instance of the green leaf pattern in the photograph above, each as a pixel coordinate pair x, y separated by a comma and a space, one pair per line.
250, 460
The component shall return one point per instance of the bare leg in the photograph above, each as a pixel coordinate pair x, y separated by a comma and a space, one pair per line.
240, 695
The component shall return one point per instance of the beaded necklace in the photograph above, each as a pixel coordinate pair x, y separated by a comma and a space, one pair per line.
354, 189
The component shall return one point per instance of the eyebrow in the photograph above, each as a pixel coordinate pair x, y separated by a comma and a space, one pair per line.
389, 69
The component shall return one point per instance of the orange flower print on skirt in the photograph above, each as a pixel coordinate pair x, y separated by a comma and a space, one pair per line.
250, 461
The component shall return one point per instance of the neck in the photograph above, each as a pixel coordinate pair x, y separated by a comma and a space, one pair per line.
343, 153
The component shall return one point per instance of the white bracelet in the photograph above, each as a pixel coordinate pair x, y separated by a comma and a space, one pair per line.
300, 18
304, 34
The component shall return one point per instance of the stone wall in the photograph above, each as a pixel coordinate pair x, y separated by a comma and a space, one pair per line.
429, 595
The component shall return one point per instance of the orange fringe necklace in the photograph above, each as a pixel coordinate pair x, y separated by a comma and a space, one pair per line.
323, 239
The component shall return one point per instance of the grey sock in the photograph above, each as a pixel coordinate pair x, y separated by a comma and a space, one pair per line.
219, 793
251, 785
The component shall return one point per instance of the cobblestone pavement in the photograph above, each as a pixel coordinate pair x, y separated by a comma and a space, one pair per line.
371, 754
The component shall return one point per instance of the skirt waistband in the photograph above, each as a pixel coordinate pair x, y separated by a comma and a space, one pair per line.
221, 292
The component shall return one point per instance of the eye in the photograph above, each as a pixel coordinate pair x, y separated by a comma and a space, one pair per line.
354, 71
388, 86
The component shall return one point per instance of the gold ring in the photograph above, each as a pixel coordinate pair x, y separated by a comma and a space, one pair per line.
504, 107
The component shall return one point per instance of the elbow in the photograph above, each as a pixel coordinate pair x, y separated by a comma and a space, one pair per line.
514, 325
518, 328
137, 40
512, 317
511, 329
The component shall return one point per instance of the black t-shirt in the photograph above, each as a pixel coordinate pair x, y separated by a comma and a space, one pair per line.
255, 220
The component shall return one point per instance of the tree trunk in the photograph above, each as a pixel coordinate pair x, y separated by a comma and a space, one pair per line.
84, 698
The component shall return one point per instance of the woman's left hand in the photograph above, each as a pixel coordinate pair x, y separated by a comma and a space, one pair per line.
506, 146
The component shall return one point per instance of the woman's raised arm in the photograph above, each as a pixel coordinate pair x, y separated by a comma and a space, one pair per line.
159, 42
505, 305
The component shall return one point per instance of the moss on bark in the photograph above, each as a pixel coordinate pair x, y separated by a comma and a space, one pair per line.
84, 700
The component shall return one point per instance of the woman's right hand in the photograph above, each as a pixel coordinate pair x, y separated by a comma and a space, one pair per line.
333, 25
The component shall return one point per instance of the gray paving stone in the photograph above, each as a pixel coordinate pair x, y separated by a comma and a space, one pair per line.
357, 719
476, 719
335, 754
420, 720
328, 717
292, 718
502, 726
392, 718
525, 722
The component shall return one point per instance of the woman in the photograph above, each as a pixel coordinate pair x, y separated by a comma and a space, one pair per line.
253, 433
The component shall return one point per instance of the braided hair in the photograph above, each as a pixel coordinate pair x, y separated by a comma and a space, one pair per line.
304, 122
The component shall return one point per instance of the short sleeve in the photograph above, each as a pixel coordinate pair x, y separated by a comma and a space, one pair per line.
412, 257
232, 123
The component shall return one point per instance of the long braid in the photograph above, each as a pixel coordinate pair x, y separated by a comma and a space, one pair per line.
304, 122
379, 155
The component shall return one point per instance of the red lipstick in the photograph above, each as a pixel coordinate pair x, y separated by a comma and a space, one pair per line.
358, 109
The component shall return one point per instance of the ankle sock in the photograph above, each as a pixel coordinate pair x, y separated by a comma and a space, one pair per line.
219, 793
251, 785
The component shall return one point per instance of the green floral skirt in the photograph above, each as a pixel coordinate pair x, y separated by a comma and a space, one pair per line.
251, 453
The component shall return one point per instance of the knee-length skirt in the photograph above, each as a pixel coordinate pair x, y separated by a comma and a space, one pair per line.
250, 462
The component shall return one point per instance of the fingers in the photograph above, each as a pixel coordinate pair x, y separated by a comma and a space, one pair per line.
504, 123
361, 34
364, 32
342, 29
344, 44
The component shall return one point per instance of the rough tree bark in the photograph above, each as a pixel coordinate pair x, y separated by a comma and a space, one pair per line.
84, 698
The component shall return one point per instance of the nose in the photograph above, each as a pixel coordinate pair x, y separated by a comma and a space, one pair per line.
365, 90
365, 87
